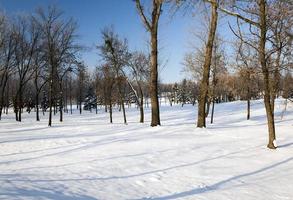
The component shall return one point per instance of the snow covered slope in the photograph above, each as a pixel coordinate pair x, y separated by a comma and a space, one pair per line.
85, 157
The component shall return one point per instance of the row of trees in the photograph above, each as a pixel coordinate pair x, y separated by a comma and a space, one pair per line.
268, 25
39, 51
265, 26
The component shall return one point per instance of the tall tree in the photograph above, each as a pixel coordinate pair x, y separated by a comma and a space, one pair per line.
26, 35
7, 66
204, 83
255, 14
59, 46
140, 71
152, 24
115, 53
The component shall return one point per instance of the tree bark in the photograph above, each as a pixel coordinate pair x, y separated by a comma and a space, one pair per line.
262, 58
152, 27
141, 104
213, 109
154, 81
204, 84
4, 83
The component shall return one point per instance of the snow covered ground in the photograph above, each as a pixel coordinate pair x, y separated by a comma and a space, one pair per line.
85, 157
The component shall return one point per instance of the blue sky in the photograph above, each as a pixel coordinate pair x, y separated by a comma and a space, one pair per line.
93, 15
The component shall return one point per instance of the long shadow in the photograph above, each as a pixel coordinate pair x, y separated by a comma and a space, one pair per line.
217, 185
46, 137
41, 193
80, 147
36, 151
95, 160
133, 175
96, 143
285, 145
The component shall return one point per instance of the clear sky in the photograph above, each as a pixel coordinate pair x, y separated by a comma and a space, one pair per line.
94, 15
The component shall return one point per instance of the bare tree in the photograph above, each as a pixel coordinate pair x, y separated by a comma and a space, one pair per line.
258, 12
280, 21
108, 76
58, 36
40, 77
7, 66
246, 60
81, 77
26, 35
140, 71
204, 83
115, 53
218, 67
151, 24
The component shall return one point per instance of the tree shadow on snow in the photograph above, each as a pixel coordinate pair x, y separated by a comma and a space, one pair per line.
41, 193
219, 184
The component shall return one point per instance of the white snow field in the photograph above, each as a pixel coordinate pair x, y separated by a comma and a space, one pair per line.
85, 157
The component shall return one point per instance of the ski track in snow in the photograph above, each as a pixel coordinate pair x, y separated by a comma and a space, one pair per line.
85, 157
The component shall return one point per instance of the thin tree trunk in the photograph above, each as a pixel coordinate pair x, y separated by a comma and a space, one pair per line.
110, 111
50, 101
5, 80
70, 94
122, 102
248, 109
204, 84
141, 105
80, 107
213, 109
37, 107
208, 108
61, 105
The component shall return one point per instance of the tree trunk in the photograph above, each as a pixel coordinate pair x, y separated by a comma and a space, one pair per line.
70, 95
248, 94
4, 83
265, 71
141, 104
155, 121
204, 84
248, 109
80, 108
122, 101
61, 106
19, 102
213, 109
110, 111
50, 101
276, 79
37, 107
208, 108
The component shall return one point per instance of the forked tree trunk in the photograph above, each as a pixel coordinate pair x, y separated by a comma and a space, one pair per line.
204, 84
